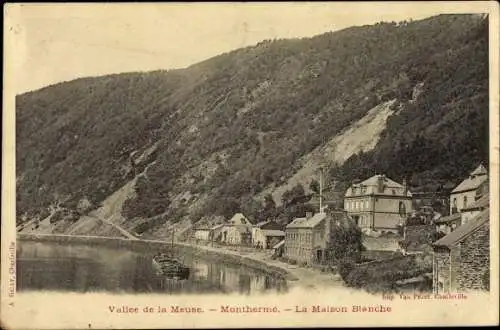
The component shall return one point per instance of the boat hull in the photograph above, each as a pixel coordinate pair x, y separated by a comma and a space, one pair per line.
171, 270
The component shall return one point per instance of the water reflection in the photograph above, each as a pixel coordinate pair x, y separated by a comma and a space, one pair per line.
80, 268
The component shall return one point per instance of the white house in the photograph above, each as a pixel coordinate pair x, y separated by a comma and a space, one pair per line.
202, 234
465, 193
238, 231
205, 233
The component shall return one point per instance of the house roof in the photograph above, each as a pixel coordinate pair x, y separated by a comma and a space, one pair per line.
449, 218
208, 227
480, 170
240, 228
370, 186
239, 219
201, 228
480, 204
475, 179
483, 189
307, 222
273, 232
464, 230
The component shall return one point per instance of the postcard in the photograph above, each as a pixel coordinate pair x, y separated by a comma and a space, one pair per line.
244, 164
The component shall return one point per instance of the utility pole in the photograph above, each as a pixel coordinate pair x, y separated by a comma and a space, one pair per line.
321, 190
173, 235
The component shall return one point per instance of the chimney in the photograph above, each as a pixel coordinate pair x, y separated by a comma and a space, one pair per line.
380, 182
405, 187
309, 215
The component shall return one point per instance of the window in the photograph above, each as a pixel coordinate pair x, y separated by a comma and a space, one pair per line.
394, 191
402, 209
454, 206
465, 201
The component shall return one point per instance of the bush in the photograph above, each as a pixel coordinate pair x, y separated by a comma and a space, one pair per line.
73, 216
142, 227
345, 269
345, 244
381, 276
57, 216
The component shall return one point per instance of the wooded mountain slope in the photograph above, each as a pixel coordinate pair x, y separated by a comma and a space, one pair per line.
211, 136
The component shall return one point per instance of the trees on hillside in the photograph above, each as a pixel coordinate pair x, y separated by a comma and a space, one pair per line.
100, 121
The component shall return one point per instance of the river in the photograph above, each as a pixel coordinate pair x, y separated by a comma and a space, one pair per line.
49, 266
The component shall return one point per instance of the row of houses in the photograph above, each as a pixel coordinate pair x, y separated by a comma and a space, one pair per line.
240, 231
381, 205
461, 259
304, 240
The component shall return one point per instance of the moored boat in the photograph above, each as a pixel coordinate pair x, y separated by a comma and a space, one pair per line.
170, 267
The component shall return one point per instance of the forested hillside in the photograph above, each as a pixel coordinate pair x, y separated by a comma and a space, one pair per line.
209, 138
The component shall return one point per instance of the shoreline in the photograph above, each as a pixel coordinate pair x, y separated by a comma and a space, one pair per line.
292, 274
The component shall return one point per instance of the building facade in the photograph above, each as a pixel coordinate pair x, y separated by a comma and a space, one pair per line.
302, 236
465, 193
237, 231
448, 223
475, 208
208, 233
461, 259
306, 239
202, 234
481, 202
265, 233
237, 235
378, 203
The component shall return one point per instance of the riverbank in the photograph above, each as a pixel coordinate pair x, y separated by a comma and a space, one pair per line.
294, 275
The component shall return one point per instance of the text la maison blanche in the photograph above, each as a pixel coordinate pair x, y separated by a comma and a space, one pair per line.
252, 309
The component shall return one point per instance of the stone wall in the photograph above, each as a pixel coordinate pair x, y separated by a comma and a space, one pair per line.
470, 261
381, 243
475, 259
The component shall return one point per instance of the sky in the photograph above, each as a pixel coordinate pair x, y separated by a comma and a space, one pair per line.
61, 42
